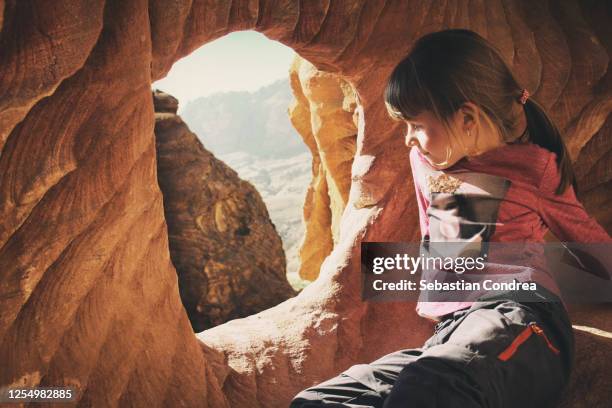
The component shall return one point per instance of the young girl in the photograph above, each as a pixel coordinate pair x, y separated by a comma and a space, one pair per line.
467, 116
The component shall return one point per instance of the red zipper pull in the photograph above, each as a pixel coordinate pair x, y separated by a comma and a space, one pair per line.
518, 340
538, 330
522, 337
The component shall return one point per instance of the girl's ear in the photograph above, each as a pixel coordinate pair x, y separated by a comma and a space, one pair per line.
469, 116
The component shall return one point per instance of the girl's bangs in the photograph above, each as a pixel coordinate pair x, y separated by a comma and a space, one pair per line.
404, 97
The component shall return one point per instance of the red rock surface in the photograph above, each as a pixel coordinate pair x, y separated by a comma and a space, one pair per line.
88, 295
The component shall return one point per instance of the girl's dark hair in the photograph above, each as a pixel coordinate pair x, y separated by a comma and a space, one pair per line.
447, 68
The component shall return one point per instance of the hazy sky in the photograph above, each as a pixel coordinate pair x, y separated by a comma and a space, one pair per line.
240, 61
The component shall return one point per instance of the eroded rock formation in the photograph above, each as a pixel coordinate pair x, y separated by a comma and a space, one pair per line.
226, 251
88, 295
324, 114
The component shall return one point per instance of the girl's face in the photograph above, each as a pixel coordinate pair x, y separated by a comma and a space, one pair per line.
432, 139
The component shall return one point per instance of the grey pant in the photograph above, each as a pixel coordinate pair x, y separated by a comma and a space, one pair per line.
497, 353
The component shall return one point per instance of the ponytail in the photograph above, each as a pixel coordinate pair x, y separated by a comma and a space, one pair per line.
543, 132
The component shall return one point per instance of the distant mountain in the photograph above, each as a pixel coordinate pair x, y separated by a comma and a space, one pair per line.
253, 122
251, 132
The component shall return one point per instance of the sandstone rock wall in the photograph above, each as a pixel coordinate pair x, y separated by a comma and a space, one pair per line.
226, 251
88, 295
323, 113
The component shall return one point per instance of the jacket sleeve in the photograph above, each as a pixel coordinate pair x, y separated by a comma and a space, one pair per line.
563, 214
422, 202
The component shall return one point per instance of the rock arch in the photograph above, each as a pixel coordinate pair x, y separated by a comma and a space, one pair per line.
88, 294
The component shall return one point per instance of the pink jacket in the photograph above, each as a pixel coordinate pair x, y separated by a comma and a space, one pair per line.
519, 182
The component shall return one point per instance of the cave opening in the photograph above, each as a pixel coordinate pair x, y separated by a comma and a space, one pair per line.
236, 169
